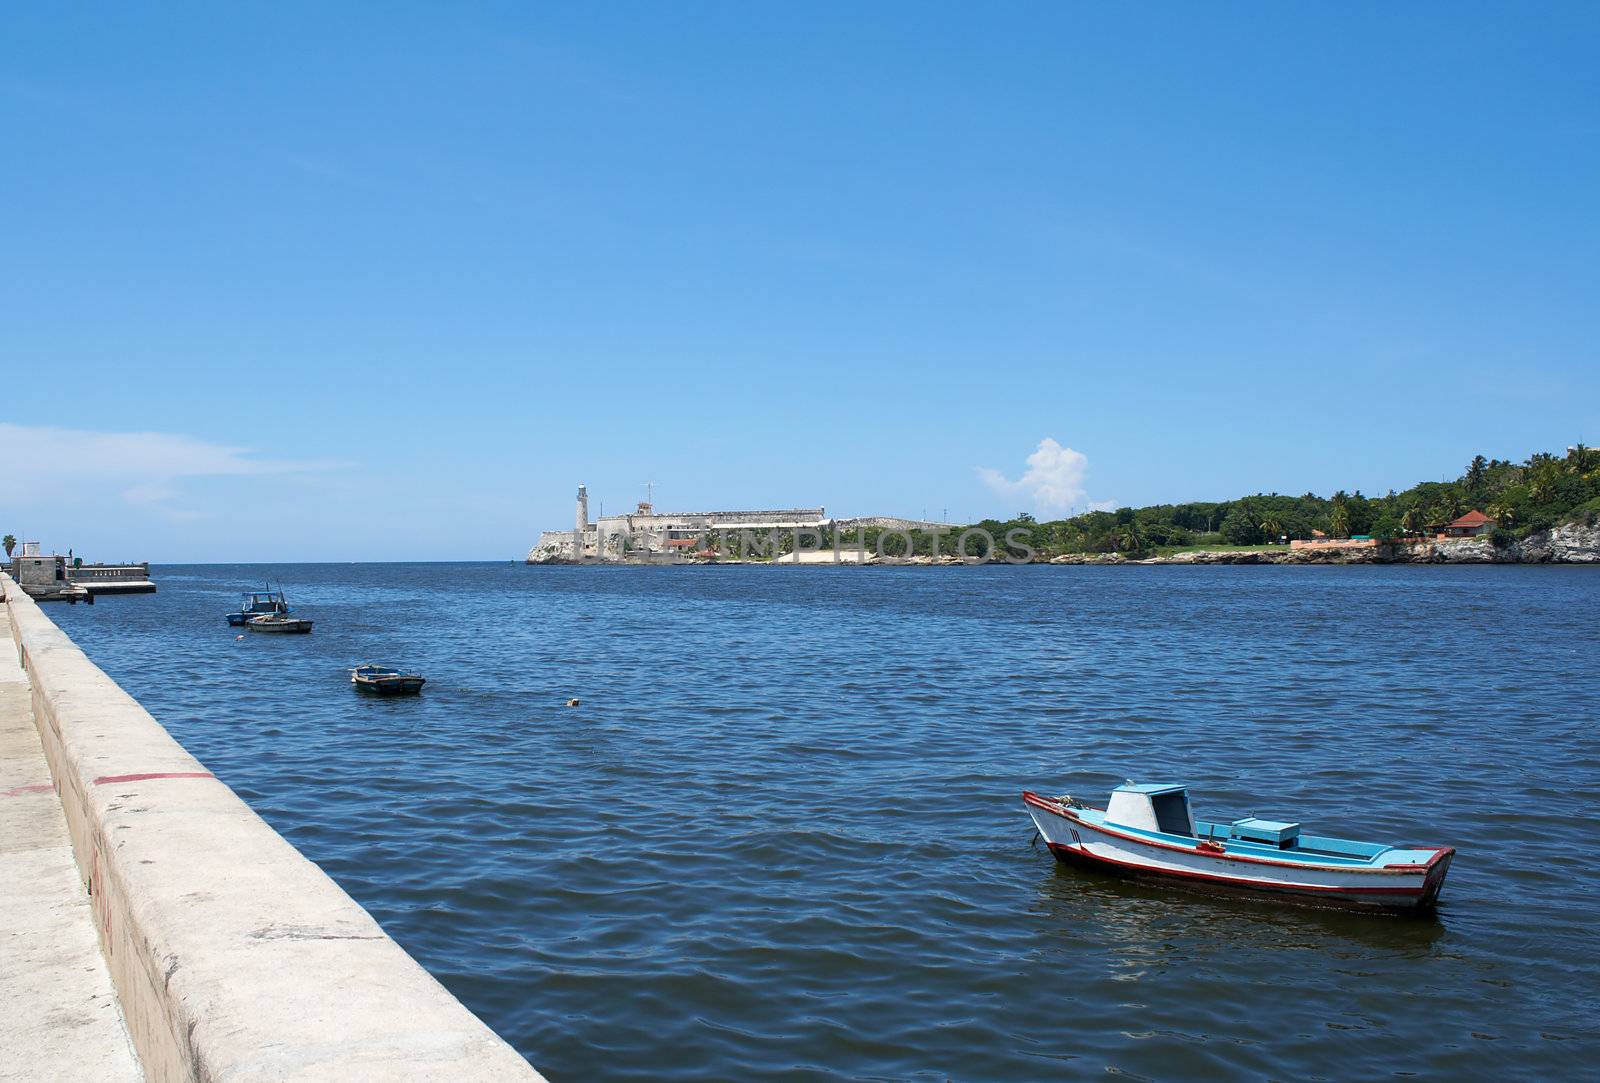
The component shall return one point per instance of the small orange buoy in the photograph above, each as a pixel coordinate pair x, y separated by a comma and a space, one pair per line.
573, 702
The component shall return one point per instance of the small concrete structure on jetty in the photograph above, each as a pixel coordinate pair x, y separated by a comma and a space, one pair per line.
647, 536
51, 577
144, 903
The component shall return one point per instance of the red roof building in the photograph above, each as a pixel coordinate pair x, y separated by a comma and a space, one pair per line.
1469, 525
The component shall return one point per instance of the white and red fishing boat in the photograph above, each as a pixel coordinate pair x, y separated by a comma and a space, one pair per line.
1148, 830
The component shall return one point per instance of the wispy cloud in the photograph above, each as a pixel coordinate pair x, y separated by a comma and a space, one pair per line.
143, 467
1054, 481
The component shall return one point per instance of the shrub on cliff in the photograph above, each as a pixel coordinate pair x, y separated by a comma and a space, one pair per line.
1588, 514
1536, 524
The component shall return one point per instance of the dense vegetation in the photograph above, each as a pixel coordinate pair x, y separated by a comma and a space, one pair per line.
1522, 498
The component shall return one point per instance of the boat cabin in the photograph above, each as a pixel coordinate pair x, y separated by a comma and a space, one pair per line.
263, 601
258, 603
1164, 807
1157, 806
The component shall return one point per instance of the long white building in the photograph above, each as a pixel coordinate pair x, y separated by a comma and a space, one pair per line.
645, 533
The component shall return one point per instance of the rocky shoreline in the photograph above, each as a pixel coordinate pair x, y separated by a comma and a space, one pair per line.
1573, 543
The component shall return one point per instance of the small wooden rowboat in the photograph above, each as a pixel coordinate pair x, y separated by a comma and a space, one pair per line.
1148, 830
277, 622
385, 681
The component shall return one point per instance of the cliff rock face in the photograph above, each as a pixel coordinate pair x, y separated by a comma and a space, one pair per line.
1454, 551
1374, 555
1226, 557
1573, 543
1090, 558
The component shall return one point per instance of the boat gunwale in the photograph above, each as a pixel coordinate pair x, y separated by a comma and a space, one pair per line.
278, 622
1410, 869
1368, 895
371, 677
370, 671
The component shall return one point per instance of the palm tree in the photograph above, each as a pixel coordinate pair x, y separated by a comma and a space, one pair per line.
1412, 522
1129, 538
1450, 505
1270, 525
1542, 485
1476, 470
10, 542
1339, 521
1502, 513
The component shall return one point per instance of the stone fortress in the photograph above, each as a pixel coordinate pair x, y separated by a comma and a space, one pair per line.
647, 536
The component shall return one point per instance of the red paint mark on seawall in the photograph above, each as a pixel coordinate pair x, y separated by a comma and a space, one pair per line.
37, 787
104, 779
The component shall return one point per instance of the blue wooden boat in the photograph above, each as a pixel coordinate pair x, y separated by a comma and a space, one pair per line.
1148, 830
258, 603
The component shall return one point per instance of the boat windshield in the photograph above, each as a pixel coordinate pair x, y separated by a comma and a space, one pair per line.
1172, 812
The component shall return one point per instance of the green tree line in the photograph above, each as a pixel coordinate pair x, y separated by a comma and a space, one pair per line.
1541, 492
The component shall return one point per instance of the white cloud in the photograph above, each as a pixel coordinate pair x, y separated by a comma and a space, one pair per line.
143, 467
1053, 482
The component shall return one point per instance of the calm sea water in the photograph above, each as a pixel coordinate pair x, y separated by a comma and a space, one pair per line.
781, 837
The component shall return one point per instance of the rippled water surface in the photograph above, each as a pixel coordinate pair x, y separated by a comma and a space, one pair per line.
782, 837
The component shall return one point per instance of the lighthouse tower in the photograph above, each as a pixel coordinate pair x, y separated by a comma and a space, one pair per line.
582, 522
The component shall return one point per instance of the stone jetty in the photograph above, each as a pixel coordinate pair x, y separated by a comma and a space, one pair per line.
152, 925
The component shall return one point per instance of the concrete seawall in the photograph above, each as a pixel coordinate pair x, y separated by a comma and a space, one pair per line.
234, 957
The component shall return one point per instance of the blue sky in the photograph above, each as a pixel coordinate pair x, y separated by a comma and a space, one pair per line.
387, 281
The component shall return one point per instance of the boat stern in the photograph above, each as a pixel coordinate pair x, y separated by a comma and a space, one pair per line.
1433, 871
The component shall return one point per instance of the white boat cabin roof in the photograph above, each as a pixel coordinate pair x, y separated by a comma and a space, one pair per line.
1151, 788
1152, 806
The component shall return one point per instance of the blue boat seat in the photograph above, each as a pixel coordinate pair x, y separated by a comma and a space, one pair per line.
1272, 832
